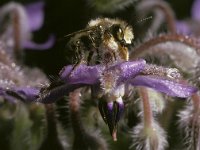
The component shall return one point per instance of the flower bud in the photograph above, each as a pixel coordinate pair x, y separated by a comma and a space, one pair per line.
111, 113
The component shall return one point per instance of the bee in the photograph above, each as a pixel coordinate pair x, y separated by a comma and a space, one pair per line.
103, 41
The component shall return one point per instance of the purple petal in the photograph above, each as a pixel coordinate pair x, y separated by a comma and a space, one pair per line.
129, 70
82, 74
48, 44
7, 96
166, 86
26, 94
29, 94
36, 15
183, 28
195, 10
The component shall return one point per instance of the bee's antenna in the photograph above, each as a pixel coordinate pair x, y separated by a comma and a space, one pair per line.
145, 19
65, 37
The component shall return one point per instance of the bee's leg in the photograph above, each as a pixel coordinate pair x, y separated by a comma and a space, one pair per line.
89, 57
75, 66
114, 55
95, 46
78, 56
98, 56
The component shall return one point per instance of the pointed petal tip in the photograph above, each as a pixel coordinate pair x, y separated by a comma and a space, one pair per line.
114, 135
42, 46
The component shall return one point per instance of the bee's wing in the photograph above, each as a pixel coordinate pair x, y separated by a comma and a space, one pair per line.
89, 29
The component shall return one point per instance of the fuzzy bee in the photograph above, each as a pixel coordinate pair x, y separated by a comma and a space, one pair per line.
103, 41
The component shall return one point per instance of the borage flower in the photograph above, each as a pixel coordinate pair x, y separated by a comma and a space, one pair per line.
112, 81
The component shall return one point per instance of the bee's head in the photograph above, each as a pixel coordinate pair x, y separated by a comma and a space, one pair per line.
116, 28
122, 34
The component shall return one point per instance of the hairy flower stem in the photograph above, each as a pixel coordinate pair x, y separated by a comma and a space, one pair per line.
169, 15
16, 31
146, 46
74, 104
146, 107
196, 102
51, 122
51, 141
83, 138
195, 121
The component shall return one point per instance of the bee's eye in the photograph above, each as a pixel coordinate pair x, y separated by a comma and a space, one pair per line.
117, 32
120, 34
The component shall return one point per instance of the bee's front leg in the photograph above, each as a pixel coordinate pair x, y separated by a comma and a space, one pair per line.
79, 56
89, 58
